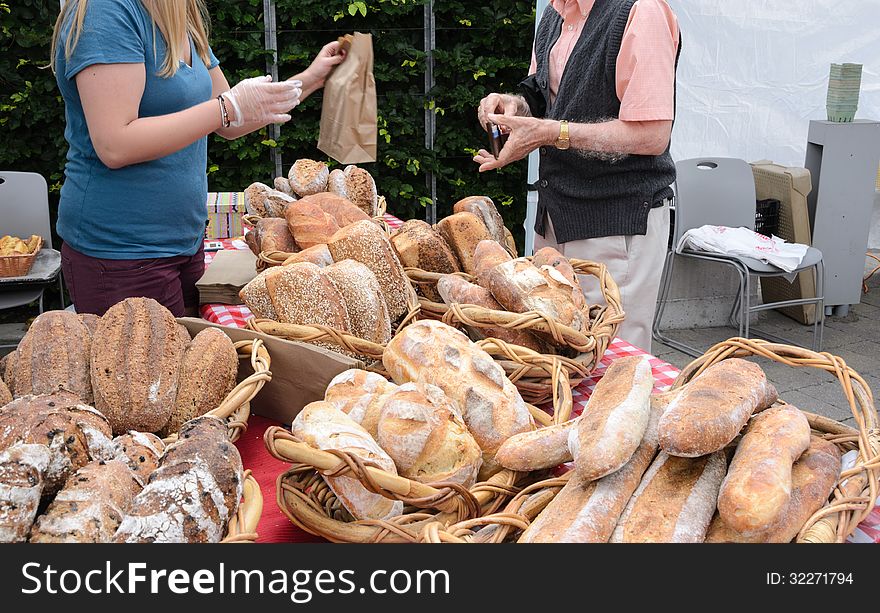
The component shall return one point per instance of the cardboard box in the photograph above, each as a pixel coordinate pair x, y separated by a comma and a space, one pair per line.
224, 215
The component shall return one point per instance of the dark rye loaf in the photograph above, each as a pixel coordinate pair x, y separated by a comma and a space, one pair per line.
136, 365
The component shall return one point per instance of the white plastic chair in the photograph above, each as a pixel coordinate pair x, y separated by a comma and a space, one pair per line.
721, 192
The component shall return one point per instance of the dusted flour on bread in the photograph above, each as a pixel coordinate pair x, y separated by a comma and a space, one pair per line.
22, 478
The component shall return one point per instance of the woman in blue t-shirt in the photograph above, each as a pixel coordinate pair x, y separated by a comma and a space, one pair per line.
142, 91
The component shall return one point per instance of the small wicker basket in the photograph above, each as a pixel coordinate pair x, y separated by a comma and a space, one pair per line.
19, 265
509, 501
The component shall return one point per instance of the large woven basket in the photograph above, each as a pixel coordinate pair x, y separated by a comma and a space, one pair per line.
236, 407
508, 502
579, 351
19, 265
243, 527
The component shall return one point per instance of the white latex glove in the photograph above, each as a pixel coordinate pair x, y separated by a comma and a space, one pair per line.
260, 101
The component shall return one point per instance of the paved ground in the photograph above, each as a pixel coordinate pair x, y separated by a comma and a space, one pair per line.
855, 338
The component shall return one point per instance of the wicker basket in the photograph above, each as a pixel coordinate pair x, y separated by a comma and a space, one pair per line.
19, 265
236, 407
509, 501
243, 527
580, 352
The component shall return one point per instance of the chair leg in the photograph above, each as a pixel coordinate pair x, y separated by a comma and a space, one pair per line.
746, 300
819, 319
665, 283
42, 293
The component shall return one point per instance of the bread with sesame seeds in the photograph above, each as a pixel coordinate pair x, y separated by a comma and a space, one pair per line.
357, 185
318, 255
302, 294
5, 394
364, 301
255, 295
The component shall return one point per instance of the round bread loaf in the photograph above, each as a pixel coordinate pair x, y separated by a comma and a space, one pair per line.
484, 208
54, 354
364, 242
318, 255
308, 177
263, 201
360, 394
141, 450
418, 245
356, 185
136, 366
282, 184
207, 375
364, 302
423, 432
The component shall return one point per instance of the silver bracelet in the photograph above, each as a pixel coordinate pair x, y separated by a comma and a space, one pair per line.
224, 114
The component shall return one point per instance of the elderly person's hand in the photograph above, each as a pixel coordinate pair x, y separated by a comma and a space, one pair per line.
525, 134
505, 104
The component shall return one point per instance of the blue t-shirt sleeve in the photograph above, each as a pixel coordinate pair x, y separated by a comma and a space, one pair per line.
214, 62
110, 35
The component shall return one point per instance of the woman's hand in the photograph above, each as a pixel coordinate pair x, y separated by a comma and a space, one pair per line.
259, 101
327, 59
525, 135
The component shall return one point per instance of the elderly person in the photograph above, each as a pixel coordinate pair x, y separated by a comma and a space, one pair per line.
601, 109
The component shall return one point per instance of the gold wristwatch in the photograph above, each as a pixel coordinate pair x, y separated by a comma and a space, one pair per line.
563, 142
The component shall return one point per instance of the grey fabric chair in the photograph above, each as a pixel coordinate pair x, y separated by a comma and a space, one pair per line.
721, 192
24, 210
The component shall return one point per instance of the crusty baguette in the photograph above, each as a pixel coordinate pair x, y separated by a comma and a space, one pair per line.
463, 232
325, 427
614, 421
588, 511
708, 412
674, 502
813, 478
537, 450
22, 479
432, 352
360, 394
757, 489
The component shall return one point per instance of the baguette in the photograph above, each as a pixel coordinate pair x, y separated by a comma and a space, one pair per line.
708, 412
537, 450
813, 478
674, 502
360, 394
22, 478
325, 427
614, 421
463, 232
757, 489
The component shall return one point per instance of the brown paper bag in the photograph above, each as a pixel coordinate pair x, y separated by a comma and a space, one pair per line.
348, 117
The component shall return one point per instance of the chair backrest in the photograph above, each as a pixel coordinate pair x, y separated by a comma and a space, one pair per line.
24, 205
713, 191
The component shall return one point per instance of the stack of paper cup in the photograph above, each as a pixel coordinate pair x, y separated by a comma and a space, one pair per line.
844, 83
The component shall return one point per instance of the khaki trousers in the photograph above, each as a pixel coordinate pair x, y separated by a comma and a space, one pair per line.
634, 262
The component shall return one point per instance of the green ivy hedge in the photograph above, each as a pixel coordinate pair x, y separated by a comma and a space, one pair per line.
481, 47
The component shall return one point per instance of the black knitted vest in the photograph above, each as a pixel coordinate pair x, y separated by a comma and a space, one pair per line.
592, 196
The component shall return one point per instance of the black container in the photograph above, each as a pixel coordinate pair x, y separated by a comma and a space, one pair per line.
767, 217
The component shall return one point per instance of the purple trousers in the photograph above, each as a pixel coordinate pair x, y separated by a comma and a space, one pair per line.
96, 284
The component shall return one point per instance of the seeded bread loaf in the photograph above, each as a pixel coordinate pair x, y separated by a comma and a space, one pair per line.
314, 219
142, 452
302, 294
364, 301
193, 494
308, 177
358, 186
434, 353
22, 477
364, 242
5, 394
325, 427
484, 208
318, 255
463, 232
360, 394
423, 432
136, 366
7, 369
488, 255
54, 354
757, 488
91, 321
418, 245
207, 375
674, 502
90, 506
708, 412
255, 295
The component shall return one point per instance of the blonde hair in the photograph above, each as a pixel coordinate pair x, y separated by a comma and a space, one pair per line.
174, 18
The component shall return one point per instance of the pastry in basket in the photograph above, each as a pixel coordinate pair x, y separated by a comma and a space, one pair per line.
358, 186
308, 177
263, 201
360, 394
12, 245
435, 353
315, 219
23, 470
54, 354
325, 427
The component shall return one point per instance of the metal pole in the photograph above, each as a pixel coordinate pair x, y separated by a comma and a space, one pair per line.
430, 114
534, 162
271, 44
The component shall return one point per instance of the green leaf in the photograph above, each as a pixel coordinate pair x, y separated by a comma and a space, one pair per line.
269, 142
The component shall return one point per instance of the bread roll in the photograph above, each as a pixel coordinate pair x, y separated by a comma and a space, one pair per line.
484, 208
554, 264
813, 478
357, 185
282, 184
314, 219
74, 433
435, 353
193, 494
263, 201
521, 287
136, 366
757, 489
90, 506
423, 432
588, 511
537, 450
141, 450
708, 412
463, 232
364, 301
255, 295
272, 234
488, 255
318, 255
360, 394
453, 289
674, 502
325, 427
54, 354
207, 375
308, 177
418, 245
364, 242
302, 294
614, 421
22, 473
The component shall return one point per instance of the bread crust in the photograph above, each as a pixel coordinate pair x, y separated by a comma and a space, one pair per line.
463, 232
364, 300
308, 177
